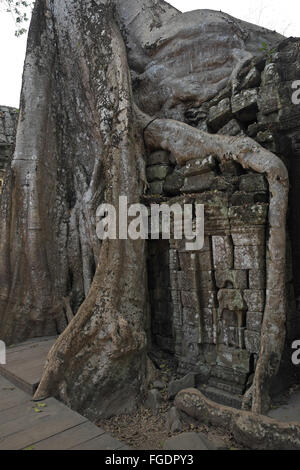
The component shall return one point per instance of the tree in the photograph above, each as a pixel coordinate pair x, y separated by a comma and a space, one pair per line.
80, 142
20, 12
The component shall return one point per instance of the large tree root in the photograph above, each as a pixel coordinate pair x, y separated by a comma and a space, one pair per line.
187, 143
254, 431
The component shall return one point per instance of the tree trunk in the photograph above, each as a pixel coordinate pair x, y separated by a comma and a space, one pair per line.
77, 146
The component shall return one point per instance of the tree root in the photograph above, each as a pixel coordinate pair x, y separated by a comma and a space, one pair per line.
254, 431
187, 143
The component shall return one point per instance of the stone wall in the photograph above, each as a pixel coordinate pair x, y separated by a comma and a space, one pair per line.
210, 311
207, 307
8, 124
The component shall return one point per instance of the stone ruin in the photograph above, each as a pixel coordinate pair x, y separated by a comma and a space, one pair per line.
207, 308
8, 124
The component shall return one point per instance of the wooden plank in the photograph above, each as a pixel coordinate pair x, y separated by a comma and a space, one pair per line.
31, 343
25, 364
70, 438
20, 427
104, 442
24, 385
10, 396
55, 427
30, 352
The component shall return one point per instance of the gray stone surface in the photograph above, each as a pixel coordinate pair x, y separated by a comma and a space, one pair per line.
160, 157
220, 114
252, 341
199, 166
222, 252
253, 183
249, 257
174, 182
157, 172
231, 128
198, 183
174, 423
244, 105
156, 187
154, 401
176, 385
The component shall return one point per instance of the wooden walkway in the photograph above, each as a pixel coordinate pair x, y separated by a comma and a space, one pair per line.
47, 425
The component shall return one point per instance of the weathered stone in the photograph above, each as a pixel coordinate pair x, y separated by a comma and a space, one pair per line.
161, 157
254, 321
252, 341
231, 128
176, 385
230, 388
249, 257
255, 300
231, 277
190, 315
157, 172
265, 137
216, 211
205, 260
252, 79
231, 299
174, 182
220, 114
229, 335
244, 105
158, 385
189, 298
199, 166
230, 168
240, 198
174, 423
222, 252
229, 374
207, 298
236, 359
156, 187
187, 280
205, 279
154, 401
198, 182
253, 183
251, 236
187, 261
257, 279
195, 116
225, 183
207, 315
248, 215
